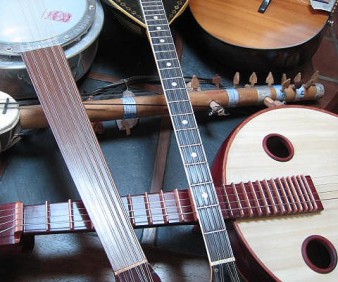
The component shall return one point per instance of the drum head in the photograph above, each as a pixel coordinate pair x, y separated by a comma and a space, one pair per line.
9, 113
33, 24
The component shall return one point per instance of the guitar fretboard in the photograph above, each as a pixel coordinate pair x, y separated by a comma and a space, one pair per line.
187, 134
274, 197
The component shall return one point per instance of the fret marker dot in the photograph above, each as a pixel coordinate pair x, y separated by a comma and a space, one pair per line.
193, 154
204, 195
158, 28
162, 40
174, 84
155, 17
184, 122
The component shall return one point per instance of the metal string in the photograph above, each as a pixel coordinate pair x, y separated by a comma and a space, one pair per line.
40, 61
198, 173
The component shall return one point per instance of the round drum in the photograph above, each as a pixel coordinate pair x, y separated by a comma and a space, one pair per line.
9, 121
32, 24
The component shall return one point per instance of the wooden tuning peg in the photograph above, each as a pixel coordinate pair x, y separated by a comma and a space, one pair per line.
268, 102
216, 80
195, 84
269, 79
253, 79
285, 84
235, 81
314, 78
298, 81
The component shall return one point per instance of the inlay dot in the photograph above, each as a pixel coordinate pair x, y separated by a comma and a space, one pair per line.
194, 154
204, 195
162, 40
158, 28
168, 64
184, 122
174, 84
155, 17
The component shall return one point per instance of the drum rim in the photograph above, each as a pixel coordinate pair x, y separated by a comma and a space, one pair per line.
15, 62
63, 39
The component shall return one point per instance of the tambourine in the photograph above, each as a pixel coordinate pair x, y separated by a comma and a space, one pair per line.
9, 121
75, 26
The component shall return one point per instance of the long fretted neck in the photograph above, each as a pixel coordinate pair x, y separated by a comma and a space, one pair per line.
60, 99
188, 138
274, 197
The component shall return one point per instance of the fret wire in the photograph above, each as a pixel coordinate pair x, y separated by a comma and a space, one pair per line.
84, 214
256, 201
291, 199
264, 199
299, 193
284, 195
227, 202
288, 182
272, 185
270, 196
42, 224
188, 129
309, 191
304, 193
80, 215
167, 201
174, 85
238, 200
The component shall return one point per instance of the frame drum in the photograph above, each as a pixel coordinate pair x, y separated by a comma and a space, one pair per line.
9, 121
34, 24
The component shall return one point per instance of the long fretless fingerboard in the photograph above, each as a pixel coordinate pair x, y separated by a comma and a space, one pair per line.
196, 167
61, 102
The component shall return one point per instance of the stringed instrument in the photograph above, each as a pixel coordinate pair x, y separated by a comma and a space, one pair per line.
277, 142
55, 86
129, 12
282, 38
201, 187
80, 51
20, 223
280, 199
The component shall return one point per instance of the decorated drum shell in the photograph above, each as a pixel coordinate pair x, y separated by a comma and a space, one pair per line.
79, 40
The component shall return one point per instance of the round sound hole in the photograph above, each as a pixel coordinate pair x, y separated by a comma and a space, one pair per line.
278, 147
319, 254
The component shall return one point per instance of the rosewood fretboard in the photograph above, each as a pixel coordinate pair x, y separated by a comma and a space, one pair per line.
192, 152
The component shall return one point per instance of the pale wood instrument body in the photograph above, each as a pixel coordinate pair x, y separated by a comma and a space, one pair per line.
282, 38
284, 24
276, 242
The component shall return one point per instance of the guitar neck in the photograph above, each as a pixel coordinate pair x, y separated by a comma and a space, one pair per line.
187, 134
280, 196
